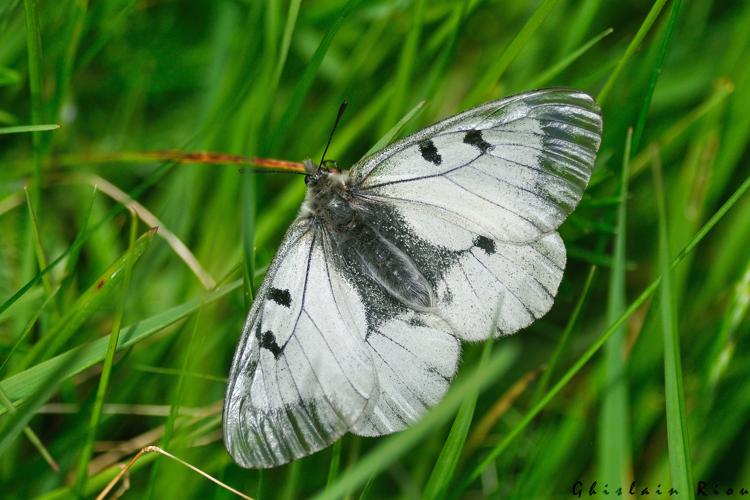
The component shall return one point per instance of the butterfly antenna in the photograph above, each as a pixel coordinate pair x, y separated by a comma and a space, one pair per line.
342, 108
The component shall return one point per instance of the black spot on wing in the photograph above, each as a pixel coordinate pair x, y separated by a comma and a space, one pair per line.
267, 340
281, 297
429, 152
474, 138
485, 244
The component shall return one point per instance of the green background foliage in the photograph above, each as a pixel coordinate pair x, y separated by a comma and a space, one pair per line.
124, 341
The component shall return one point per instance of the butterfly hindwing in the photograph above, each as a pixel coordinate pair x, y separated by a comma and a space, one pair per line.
415, 353
500, 287
302, 374
415, 356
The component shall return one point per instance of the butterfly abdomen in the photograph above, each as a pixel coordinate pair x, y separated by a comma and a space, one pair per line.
387, 265
346, 220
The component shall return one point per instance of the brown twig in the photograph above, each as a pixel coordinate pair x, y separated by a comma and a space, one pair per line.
200, 157
156, 449
152, 220
498, 410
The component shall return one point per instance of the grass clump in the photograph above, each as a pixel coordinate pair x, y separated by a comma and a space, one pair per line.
632, 392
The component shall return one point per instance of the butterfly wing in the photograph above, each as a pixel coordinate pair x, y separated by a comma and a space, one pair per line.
302, 375
490, 187
512, 169
522, 279
415, 356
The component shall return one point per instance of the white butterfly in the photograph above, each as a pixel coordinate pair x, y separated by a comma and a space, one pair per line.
391, 264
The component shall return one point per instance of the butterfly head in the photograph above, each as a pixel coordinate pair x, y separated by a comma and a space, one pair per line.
327, 189
326, 173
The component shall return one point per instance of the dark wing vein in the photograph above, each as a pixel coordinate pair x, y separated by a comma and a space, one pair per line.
541, 231
507, 182
320, 332
304, 291
422, 177
544, 287
471, 285
503, 285
395, 374
531, 167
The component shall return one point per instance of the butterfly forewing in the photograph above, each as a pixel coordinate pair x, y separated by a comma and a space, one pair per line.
302, 375
511, 170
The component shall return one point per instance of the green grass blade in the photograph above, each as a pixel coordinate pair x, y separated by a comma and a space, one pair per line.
565, 337
630, 50
366, 488
726, 342
101, 390
568, 60
393, 447
405, 67
614, 433
34, 51
248, 195
20, 129
388, 137
307, 78
27, 328
663, 47
76, 18
286, 41
30, 434
521, 40
73, 361
333, 467
445, 467
72, 260
291, 482
608, 332
38, 248
16, 422
9, 76
680, 127
455, 24
677, 425
176, 373
580, 24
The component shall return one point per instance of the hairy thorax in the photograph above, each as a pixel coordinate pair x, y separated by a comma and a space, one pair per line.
330, 202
